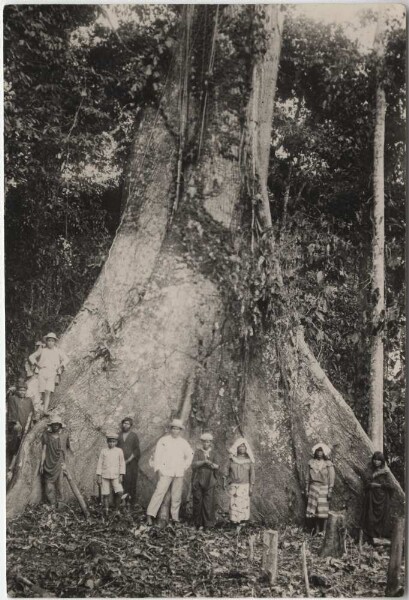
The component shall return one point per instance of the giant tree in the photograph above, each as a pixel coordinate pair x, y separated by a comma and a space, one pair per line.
190, 315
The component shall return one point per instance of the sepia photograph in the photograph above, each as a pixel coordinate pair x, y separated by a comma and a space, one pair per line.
204, 276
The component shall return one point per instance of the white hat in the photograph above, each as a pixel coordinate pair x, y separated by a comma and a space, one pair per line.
111, 435
207, 436
177, 423
51, 335
55, 419
38, 344
326, 449
239, 442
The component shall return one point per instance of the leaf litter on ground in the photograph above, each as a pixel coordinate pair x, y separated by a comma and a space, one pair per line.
59, 554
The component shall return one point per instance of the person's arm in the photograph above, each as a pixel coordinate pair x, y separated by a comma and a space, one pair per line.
388, 483
43, 452
122, 466
63, 361
158, 456
188, 455
331, 479
35, 357
136, 449
196, 462
252, 478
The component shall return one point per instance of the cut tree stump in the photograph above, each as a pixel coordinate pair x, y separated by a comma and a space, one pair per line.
305, 569
270, 555
393, 586
334, 540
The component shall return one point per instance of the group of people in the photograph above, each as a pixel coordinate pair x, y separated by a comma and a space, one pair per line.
29, 399
172, 457
117, 468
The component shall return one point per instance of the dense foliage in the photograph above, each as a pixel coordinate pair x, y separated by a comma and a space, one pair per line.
75, 85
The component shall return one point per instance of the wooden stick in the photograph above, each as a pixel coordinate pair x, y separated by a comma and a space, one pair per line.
15, 463
251, 547
76, 492
305, 569
360, 540
270, 555
394, 570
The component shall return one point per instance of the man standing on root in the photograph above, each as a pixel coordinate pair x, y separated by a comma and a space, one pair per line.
55, 443
51, 362
128, 441
173, 456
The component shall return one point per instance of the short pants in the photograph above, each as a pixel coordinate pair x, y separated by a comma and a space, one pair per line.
106, 486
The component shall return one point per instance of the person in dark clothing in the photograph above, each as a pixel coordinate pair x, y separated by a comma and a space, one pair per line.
204, 481
378, 492
55, 442
128, 441
19, 409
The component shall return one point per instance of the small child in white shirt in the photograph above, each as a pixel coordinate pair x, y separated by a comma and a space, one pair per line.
110, 471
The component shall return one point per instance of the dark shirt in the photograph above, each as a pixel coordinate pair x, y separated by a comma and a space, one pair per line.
130, 445
19, 409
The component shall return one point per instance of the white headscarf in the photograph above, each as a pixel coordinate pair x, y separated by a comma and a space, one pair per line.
326, 449
239, 442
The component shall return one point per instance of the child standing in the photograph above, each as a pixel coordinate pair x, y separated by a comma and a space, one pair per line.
204, 480
241, 480
110, 471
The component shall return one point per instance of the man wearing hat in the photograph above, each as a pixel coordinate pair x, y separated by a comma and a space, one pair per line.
55, 442
32, 380
51, 362
19, 408
173, 456
110, 471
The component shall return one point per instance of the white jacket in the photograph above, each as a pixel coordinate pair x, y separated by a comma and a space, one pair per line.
173, 456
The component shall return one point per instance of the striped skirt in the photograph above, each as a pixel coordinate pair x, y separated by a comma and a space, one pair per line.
239, 502
318, 505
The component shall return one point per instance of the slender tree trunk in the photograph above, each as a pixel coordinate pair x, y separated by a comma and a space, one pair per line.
378, 262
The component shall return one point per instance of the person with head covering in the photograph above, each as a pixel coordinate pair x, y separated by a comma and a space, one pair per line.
204, 480
241, 478
319, 485
378, 492
128, 441
173, 456
33, 389
55, 443
110, 471
50, 363
19, 409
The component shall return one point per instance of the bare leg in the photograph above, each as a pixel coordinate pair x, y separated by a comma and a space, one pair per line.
46, 401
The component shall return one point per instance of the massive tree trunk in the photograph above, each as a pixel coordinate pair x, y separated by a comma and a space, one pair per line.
158, 335
378, 251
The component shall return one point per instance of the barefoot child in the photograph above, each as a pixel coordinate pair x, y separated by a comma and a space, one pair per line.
110, 471
241, 479
204, 480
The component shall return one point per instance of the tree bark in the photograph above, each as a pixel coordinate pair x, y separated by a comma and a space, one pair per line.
393, 586
156, 337
378, 262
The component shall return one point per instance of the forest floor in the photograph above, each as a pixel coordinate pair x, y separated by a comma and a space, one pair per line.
60, 554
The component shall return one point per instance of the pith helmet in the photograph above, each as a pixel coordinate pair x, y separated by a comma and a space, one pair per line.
177, 423
51, 335
111, 435
55, 419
